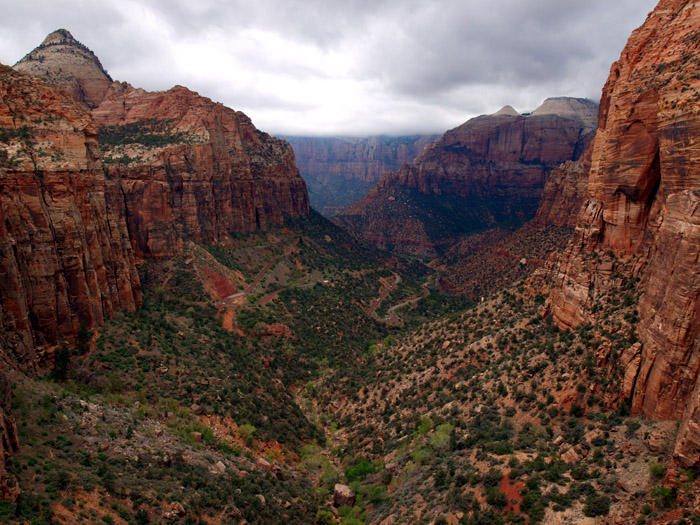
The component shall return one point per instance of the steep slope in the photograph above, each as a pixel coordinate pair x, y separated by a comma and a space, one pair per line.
64, 61
191, 168
488, 172
65, 254
186, 167
640, 217
340, 171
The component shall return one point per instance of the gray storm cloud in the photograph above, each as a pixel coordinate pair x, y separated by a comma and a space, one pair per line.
351, 67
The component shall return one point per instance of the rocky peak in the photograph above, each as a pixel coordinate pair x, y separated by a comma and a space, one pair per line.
67, 63
586, 109
60, 36
506, 111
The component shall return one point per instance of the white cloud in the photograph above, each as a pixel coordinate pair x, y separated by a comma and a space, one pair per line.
345, 67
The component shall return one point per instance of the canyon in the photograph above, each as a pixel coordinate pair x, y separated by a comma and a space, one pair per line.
183, 338
341, 170
488, 172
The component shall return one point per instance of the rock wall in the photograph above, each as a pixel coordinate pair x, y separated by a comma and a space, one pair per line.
641, 218
495, 165
190, 168
9, 442
65, 255
339, 171
563, 195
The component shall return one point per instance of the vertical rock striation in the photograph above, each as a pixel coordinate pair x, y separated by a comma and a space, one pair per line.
65, 255
641, 216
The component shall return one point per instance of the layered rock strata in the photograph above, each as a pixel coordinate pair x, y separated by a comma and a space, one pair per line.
186, 167
640, 217
191, 168
493, 168
65, 255
62, 60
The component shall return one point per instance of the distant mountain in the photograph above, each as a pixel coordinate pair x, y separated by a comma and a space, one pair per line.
488, 172
339, 171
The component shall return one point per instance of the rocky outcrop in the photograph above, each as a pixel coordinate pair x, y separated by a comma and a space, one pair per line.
191, 168
563, 195
488, 172
65, 255
340, 171
64, 61
641, 218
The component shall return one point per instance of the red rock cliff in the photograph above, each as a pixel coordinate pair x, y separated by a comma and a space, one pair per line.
495, 165
641, 217
189, 167
186, 167
65, 255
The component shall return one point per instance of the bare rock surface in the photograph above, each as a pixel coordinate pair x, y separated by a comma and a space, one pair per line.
641, 209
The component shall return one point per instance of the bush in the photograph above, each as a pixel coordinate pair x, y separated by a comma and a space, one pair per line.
359, 471
596, 505
657, 470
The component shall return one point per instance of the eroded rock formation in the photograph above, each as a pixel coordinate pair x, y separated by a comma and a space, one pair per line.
640, 218
489, 171
64, 61
65, 255
186, 167
189, 167
563, 195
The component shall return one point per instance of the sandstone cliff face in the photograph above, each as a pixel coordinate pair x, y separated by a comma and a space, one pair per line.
64, 61
563, 195
641, 217
188, 167
65, 255
493, 168
340, 171
183, 166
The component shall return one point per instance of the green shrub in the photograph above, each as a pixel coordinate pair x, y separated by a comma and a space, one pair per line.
596, 505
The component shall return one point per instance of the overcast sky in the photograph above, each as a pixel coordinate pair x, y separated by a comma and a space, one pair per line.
345, 67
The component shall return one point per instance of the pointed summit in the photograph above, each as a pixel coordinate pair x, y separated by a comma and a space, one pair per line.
60, 36
507, 111
64, 61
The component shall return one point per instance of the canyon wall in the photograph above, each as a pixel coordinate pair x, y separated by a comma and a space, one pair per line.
339, 171
191, 168
641, 217
185, 167
65, 255
488, 172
